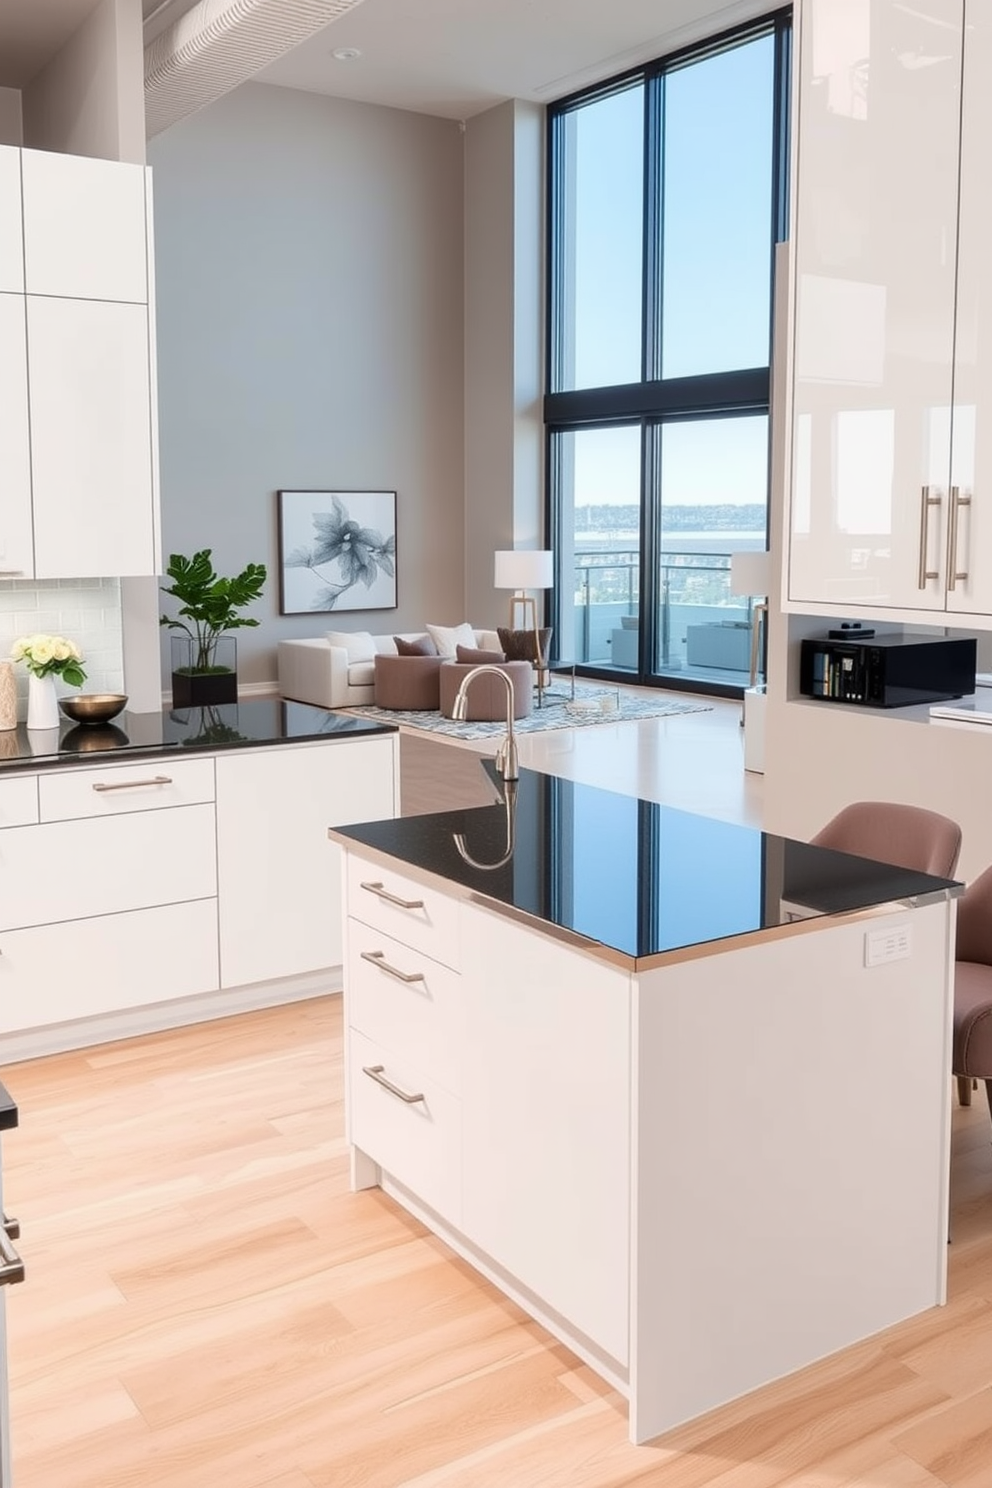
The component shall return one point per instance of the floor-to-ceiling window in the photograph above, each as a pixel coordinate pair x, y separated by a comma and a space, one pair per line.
667, 193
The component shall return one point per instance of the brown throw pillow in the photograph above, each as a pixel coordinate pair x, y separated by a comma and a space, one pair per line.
519, 644
477, 658
423, 646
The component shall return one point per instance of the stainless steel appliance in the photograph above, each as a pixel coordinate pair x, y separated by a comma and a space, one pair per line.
11, 1270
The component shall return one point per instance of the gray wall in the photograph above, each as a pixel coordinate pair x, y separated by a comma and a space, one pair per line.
310, 326
90, 98
504, 334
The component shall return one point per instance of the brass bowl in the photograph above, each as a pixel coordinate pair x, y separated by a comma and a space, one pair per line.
93, 707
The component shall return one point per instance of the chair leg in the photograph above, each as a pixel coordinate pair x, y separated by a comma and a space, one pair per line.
988, 1092
964, 1090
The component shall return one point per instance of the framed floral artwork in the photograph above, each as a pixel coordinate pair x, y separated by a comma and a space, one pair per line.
337, 551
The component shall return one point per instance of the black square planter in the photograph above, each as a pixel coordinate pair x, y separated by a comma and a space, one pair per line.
203, 689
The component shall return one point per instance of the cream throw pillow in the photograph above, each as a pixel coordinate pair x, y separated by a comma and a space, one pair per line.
358, 643
447, 638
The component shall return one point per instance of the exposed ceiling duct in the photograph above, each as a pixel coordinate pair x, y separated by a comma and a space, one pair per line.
221, 43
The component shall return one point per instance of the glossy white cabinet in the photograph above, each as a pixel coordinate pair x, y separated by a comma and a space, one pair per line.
78, 377
280, 878
874, 242
969, 568
76, 969
546, 1121
91, 438
11, 234
84, 227
16, 534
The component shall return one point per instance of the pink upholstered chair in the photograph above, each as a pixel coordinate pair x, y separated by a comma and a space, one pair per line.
890, 832
972, 1052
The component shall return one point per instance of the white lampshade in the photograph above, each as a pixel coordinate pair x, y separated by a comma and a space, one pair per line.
750, 573
524, 568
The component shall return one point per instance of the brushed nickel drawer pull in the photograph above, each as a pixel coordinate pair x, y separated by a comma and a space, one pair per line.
381, 893
374, 1072
378, 958
11, 1227
12, 1267
135, 784
11, 573
926, 502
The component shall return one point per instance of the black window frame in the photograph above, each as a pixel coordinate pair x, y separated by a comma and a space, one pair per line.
653, 402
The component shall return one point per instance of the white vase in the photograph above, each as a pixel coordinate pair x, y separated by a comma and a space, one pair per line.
43, 708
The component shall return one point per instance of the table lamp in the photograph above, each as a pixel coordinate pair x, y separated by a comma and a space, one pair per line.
521, 569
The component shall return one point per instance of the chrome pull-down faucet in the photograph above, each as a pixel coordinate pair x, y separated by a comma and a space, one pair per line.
506, 754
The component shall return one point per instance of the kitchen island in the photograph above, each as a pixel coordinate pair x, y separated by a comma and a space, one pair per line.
626, 1061
170, 867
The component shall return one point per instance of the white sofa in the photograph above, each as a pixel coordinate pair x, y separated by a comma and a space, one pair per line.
317, 672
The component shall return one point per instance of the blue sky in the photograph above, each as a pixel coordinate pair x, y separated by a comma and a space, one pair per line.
717, 154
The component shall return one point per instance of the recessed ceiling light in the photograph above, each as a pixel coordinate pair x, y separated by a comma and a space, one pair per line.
346, 54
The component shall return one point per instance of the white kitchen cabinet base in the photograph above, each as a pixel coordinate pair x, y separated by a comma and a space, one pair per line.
636, 1174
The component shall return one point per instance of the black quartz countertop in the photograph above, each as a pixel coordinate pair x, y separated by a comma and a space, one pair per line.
229, 726
8, 1110
633, 876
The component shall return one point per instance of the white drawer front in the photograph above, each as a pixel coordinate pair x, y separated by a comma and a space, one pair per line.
79, 969
68, 870
19, 801
421, 1015
420, 1143
112, 790
416, 916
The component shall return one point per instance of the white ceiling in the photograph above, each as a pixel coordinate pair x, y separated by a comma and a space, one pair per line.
455, 58
452, 58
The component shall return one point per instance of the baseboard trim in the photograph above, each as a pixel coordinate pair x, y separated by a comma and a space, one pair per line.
105, 1028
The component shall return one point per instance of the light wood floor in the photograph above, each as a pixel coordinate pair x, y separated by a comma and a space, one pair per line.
207, 1306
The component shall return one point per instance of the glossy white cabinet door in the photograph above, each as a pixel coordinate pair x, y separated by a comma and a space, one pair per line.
11, 236
84, 227
81, 968
279, 886
91, 438
72, 870
875, 235
16, 536
546, 1121
969, 578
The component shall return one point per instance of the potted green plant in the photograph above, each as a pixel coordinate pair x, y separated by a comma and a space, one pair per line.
204, 654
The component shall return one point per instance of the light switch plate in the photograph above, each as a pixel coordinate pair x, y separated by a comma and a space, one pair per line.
891, 944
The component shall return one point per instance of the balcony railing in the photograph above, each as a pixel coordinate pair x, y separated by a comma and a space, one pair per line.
703, 630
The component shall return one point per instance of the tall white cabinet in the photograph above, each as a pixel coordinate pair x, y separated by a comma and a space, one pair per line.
875, 243
79, 453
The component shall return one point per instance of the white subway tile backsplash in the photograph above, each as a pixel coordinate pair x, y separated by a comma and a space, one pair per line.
87, 611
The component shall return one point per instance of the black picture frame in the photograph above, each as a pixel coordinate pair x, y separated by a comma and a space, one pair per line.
337, 551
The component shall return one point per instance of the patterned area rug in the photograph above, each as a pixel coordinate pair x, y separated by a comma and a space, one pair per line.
590, 705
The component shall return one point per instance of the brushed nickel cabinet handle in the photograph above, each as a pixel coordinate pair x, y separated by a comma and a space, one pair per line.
375, 1072
11, 573
926, 502
381, 893
135, 784
378, 958
953, 572
11, 1227
11, 1265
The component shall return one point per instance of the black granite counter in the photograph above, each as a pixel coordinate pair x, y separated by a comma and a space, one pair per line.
256, 721
8, 1110
631, 875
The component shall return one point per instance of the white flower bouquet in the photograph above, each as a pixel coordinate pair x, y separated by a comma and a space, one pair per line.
44, 655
